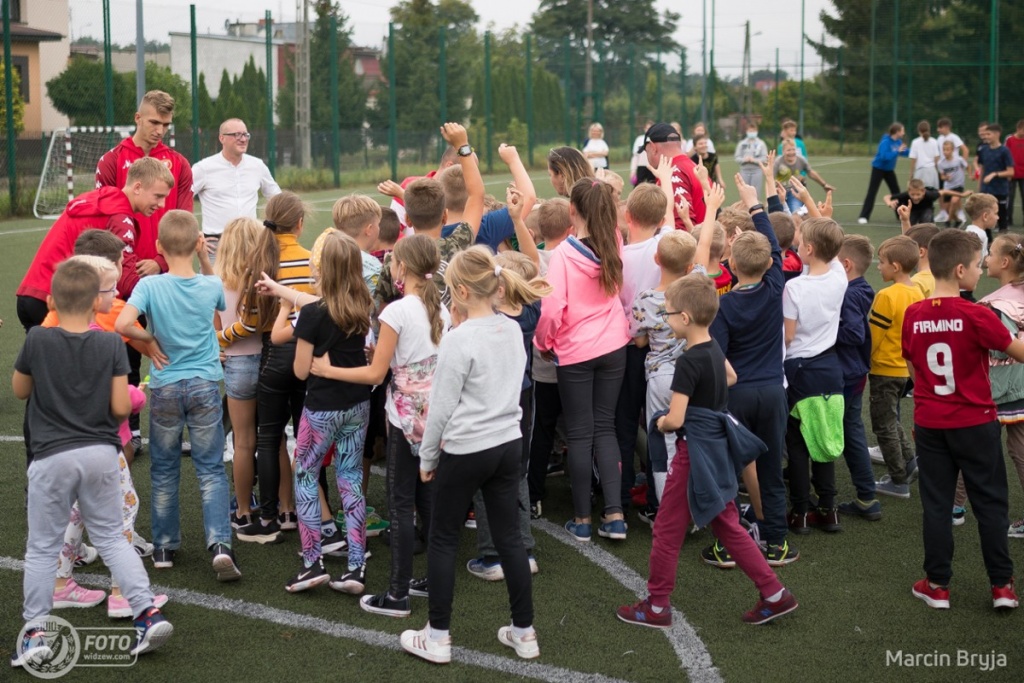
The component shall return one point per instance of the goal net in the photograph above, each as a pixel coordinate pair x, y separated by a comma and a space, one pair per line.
70, 165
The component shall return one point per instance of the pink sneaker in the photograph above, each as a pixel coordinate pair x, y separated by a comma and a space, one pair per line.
118, 607
74, 595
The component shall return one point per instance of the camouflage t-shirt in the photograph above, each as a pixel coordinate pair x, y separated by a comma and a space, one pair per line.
460, 239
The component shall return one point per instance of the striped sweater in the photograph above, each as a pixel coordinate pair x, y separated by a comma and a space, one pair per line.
292, 271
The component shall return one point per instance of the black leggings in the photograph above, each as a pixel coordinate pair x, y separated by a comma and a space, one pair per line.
548, 408
405, 492
279, 397
590, 393
877, 176
496, 473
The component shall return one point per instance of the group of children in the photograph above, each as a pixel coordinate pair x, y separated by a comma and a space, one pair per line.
744, 341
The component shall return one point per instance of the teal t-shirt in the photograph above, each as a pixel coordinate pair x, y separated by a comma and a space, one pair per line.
180, 312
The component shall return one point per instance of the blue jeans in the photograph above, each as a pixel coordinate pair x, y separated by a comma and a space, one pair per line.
196, 403
793, 202
855, 449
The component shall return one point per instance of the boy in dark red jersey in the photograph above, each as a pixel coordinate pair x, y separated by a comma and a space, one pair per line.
946, 341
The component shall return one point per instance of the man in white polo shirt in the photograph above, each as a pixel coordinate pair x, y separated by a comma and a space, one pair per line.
228, 184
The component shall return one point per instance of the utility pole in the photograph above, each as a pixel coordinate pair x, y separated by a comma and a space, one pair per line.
140, 54
302, 132
748, 103
704, 64
588, 85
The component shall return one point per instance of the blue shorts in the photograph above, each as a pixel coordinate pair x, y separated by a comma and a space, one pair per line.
241, 374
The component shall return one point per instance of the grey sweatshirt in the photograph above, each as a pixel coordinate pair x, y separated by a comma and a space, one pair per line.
474, 398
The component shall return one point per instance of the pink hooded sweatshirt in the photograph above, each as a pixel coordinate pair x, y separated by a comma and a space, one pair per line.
579, 321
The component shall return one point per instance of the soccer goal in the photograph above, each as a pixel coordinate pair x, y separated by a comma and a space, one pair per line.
70, 165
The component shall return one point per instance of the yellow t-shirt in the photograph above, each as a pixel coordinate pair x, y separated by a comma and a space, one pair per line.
886, 321
925, 280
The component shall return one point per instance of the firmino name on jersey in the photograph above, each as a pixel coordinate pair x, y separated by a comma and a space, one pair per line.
931, 326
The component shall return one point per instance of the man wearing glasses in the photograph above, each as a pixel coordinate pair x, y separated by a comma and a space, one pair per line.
228, 184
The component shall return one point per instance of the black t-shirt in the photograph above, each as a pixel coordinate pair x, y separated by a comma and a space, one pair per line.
527, 320
71, 379
918, 210
700, 374
345, 351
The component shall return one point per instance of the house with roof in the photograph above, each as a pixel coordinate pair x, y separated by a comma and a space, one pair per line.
40, 46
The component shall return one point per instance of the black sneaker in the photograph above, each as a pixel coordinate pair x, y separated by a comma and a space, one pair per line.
647, 514
288, 521
717, 556
224, 563
418, 588
163, 558
309, 577
779, 555
137, 445
352, 582
383, 603
536, 510
239, 521
556, 469
258, 532
335, 546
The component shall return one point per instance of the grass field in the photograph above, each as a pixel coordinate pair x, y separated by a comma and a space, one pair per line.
854, 587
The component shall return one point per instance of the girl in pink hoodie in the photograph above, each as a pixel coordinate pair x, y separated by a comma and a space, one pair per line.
583, 330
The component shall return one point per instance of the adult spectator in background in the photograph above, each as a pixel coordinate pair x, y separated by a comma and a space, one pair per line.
1015, 143
152, 121
639, 171
698, 129
229, 183
596, 149
662, 140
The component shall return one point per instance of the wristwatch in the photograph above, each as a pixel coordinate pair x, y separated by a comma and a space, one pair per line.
756, 207
465, 151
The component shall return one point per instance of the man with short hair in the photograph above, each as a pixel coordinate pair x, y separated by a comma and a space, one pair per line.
660, 140
228, 184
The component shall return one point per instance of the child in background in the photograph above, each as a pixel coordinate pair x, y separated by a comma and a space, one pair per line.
718, 273
334, 412
242, 359
358, 216
785, 233
1015, 144
582, 326
1005, 262
948, 341
919, 198
67, 371
922, 234
751, 152
473, 442
995, 168
951, 169
410, 331
721, 447
390, 230
706, 158
748, 327
897, 258
983, 213
789, 134
924, 156
944, 127
853, 346
890, 148
180, 306
555, 226
789, 165
596, 149
811, 307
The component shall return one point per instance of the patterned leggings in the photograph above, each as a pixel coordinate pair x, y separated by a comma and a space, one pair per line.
317, 431
73, 534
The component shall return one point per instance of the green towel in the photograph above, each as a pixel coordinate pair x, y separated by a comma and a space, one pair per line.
821, 425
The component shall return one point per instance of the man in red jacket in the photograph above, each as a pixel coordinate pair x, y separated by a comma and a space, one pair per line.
152, 120
147, 185
662, 140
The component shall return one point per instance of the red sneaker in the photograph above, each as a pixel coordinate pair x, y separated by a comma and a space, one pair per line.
638, 494
641, 614
1004, 597
936, 598
765, 611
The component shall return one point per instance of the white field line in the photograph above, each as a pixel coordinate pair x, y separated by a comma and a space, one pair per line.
388, 641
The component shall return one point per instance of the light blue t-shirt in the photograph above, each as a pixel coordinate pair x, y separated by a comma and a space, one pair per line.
180, 312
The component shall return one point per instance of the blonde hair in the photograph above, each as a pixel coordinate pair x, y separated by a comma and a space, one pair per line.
784, 228
342, 288
159, 100
178, 233
676, 251
421, 257
858, 249
353, 213
553, 219
824, 234
477, 271
694, 294
102, 266
1010, 245
147, 171
518, 262
751, 255
570, 164
978, 203
717, 240
735, 220
454, 186
900, 250
317, 251
234, 251
646, 205
283, 215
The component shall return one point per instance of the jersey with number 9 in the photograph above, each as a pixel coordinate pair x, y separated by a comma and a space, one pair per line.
947, 341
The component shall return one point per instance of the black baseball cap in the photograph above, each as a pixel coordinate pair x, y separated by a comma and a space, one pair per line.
661, 132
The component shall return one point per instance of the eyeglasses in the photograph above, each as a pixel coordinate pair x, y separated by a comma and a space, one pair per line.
665, 315
112, 290
238, 136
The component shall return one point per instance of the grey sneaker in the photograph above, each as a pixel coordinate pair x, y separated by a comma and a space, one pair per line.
1016, 529
887, 487
875, 453
912, 471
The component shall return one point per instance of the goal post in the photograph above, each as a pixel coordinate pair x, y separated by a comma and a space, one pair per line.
70, 165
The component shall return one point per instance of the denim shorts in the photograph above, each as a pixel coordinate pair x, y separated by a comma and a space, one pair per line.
241, 374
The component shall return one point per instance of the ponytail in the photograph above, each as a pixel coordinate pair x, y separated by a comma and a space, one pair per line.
422, 258
595, 203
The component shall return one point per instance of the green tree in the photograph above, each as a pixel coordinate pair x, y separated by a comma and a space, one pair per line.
229, 103
207, 110
19, 104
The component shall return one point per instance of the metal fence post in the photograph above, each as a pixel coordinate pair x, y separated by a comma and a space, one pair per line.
842, 121
108, 69
12, 168
529, 100
271, 139
488, 101
392, 105
658, 91
195, 87
567, 84
333, 94
871, 74
442, 82
682, 88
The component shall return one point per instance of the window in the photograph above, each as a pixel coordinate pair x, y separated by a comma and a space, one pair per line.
20, 65
15, 11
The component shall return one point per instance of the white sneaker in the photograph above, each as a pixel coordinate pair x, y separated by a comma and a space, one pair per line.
961, 216
862, 221
86, 555
875, 453
143, 547
229, 448
942, 216
526, 647
419, 643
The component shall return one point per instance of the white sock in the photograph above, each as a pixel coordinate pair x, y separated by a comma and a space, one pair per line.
776, 597
521, 632
656, 609
435, 634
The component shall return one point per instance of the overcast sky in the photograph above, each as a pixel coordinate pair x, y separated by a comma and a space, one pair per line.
778, 22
